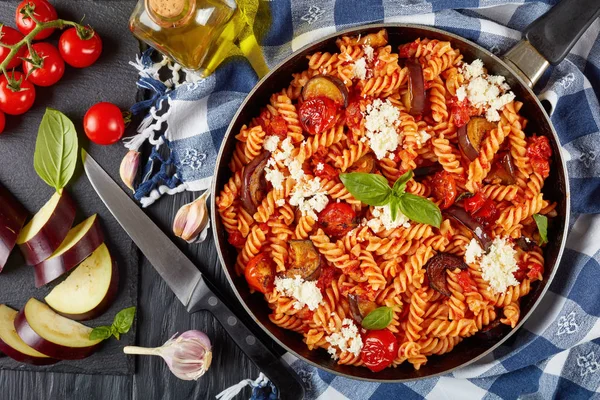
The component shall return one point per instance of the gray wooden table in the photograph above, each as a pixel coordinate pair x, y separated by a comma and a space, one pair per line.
159, 314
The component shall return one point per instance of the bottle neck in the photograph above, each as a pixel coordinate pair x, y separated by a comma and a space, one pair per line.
170, 13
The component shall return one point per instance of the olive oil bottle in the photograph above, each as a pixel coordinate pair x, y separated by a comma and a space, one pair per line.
185, 30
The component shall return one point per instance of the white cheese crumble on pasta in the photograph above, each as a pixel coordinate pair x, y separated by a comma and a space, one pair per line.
271, 143
369, 52
320, 166
309, 198
346, 340
275, 177
306, 293
360, 68
382, 217
497, 266
482, 90
381, 122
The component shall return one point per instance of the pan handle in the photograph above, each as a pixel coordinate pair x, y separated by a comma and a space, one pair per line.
549, 39
557, 31
207, 297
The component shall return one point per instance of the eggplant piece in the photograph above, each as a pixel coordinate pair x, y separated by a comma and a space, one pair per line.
504, 169
254, 185
416, 87
359, 307
12, 219
326, 86
436, 271
428, 170
364, 164
525, 243
461, 216
305, 260
494, 331
471, 135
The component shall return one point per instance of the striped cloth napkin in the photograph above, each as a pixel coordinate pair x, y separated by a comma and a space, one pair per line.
557, 352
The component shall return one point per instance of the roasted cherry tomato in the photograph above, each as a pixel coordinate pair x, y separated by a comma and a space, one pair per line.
42, 11
353, 115
15, 101
236, 239
482, 209
9, 35
317, 114
521, 273
465, 282
379, 349
326, 276
51, 65
444, 188
2, 121
276, 126
535, 271
474, 202
459, 110
324, 171
103, 123
337, 219
539, 151
260, 273
80, 51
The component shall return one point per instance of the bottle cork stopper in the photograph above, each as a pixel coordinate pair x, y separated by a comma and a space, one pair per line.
167, 8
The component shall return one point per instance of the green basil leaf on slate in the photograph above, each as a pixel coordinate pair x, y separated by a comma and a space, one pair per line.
542, 224
55, 155
400, 183
124, 320
420, 209
379, 318
371, 189
101, 332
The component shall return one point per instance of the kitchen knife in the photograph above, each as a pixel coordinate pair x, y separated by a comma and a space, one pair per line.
185, 280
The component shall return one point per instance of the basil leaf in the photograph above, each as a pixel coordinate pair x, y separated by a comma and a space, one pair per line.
55, 154
101, 332
371, 189
400, 183
542, 224
123, 320
394, 207
420, 209
379, 318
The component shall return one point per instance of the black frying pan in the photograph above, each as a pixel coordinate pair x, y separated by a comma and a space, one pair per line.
547, 41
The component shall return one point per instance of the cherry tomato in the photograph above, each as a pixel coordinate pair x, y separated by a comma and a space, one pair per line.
521, 273
236, 239
103, 123
2, 121
260, 273
408, 50
353, 115
42, 11
9, 35
459, 110
16, 102
444, 188
317, 114
52, 66
326, 276
535, 271
80, 52
275, 126
539, 151
465, 282
474, 202
379, 349
337, 219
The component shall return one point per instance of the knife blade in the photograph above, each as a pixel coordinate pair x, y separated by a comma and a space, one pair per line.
186, 281
180, 274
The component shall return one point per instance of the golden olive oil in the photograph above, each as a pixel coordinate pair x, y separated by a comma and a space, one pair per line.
185, 30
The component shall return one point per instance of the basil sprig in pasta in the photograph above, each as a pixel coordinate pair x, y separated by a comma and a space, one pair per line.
374, 190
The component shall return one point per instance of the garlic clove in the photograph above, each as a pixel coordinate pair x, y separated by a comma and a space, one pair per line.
129, 168
192, 222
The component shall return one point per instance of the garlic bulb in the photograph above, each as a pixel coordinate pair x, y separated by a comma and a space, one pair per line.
129, 168
188, 355
191, 222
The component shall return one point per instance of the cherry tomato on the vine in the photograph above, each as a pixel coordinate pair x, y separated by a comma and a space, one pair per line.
18, 98
2, 121
379, 349
80, 51
9, 35
51, 66
103, 123
42, 11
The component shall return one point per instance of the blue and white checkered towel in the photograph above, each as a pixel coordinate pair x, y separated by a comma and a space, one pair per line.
557, 352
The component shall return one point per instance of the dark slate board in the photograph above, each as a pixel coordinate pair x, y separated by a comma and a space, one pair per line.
159, 312
78, 90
